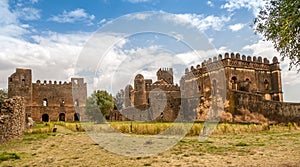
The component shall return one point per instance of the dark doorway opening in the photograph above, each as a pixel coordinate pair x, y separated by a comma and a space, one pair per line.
76, 117
45, 118
62, 117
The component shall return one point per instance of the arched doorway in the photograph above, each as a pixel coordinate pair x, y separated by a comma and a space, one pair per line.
45, 118
76, 117
62, 117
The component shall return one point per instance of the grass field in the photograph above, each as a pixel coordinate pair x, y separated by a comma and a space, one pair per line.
229, 145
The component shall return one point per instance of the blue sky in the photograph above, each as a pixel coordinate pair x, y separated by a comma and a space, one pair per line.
49, 36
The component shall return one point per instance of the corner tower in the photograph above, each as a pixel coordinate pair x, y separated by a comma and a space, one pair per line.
20, 84
277, 94
139, 90
165, 74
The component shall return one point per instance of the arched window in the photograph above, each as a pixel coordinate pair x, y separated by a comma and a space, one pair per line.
234, 82
76, 103
23, 82
45, 102
62, 104
266, 84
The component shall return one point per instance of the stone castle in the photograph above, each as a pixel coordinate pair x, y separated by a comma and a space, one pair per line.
248, 83
55, 101
249, 88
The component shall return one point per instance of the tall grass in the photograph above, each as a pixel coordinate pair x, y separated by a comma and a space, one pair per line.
73, 126
153, 128
196, 128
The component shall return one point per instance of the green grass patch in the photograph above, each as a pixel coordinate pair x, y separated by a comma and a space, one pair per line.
34, 137
5, 156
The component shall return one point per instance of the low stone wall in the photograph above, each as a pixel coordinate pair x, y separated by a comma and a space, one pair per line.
280, 112
12, 118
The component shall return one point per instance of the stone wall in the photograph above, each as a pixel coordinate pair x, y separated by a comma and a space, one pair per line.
12, 118
279, 112
52, 100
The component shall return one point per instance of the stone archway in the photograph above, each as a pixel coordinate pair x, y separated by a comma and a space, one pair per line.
62, 117
76, 117
45, 118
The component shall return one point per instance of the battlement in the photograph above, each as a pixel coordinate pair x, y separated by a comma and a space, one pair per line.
45, 83
166, 87
74, 82
166, 69
234, 60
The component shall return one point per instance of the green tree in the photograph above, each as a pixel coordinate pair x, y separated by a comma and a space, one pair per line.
279, 22
99, 105
3, 95
119, 99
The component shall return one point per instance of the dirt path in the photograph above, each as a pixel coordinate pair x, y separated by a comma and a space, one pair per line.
67, 148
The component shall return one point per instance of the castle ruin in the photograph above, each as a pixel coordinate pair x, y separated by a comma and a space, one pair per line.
250, 83
45, 101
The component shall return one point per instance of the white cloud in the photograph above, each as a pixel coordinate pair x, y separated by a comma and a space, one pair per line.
209, 3
77, 15
201, 22
266, 49
28, 14
236, 27
139, 16
9, 21
52, 54
254, 5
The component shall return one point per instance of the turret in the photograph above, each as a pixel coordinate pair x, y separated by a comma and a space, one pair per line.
20, 84
139, 90
277, 94
165, 74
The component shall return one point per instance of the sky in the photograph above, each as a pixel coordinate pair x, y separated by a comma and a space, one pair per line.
108, 42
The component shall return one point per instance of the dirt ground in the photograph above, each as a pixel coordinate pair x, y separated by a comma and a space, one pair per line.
67, 148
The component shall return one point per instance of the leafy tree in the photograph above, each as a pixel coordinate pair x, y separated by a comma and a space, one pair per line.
119, 99
3, 95
99, 105
279, 22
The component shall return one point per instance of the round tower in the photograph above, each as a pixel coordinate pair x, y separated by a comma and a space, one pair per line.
139, 90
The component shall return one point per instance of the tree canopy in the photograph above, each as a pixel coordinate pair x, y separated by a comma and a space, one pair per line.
279, 22
99, 105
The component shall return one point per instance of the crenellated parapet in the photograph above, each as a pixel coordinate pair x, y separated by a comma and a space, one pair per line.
234, 60
165, 87
50, 83
74, 82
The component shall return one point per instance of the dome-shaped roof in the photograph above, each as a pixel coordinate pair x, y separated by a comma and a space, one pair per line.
139, 76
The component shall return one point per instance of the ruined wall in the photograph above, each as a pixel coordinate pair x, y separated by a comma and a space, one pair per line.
246, 73
44, 101
273, 110
12, 118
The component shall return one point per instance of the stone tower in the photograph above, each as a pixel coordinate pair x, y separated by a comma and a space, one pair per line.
20, 84
165, 74
139, 91
276, 93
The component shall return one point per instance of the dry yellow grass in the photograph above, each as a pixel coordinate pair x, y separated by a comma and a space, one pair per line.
278, 147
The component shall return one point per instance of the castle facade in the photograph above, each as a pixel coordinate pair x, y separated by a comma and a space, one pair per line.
247, 83
45, 101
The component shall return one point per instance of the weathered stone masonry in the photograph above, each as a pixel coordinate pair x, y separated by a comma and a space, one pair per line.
251, 83
12, 118
45, 101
